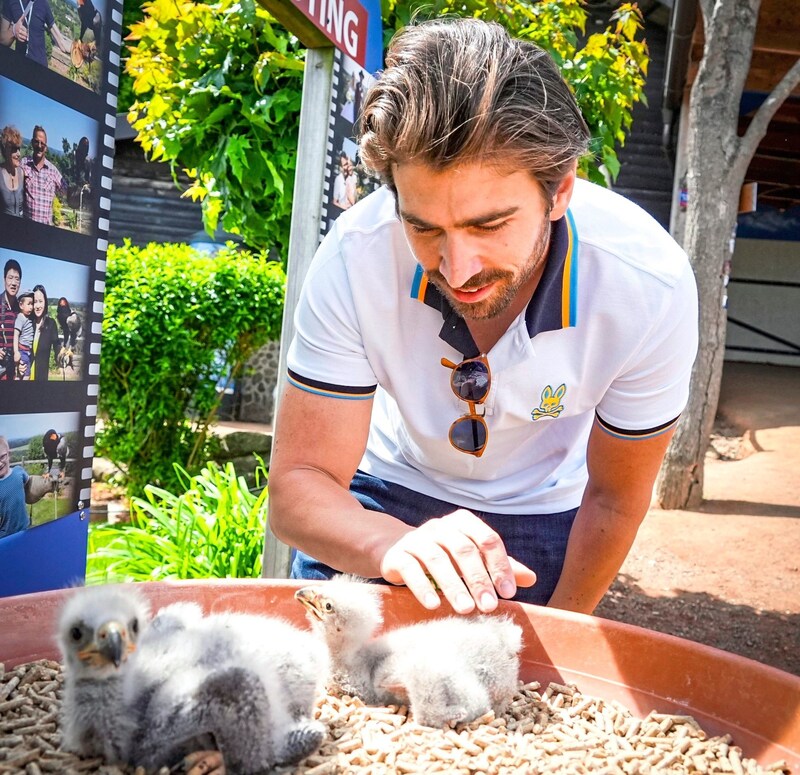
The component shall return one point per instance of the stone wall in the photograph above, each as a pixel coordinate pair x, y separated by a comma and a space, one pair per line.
257, 387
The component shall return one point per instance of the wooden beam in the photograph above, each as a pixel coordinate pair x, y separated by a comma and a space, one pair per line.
773, 169
297, 23
778, 27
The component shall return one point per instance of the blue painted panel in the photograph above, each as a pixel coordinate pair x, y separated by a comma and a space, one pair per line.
51, 556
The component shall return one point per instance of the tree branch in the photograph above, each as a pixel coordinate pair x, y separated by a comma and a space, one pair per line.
758, 126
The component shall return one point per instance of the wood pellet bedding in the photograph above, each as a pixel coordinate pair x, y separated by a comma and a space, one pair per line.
557, 730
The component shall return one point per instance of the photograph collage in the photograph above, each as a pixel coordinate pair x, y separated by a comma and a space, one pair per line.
59, 62
347, 181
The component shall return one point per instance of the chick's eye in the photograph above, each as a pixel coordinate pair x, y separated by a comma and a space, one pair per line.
135, 626
329, 606
76, 633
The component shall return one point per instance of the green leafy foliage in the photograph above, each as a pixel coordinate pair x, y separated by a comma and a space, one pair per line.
214, 529
176, 321
218, 89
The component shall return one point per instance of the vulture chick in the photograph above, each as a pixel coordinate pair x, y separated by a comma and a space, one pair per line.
449, 670
346, 613
97, 632
243, 684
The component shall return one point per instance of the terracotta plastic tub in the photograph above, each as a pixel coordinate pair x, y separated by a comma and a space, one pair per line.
758, 705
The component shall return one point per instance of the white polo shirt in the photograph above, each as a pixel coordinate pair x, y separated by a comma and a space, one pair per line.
611, 333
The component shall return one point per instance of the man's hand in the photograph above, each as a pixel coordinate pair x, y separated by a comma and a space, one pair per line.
20, 30
463, 557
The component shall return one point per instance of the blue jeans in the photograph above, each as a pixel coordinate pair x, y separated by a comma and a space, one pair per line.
536, 540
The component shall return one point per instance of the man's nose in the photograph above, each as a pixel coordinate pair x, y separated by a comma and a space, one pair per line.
460, 259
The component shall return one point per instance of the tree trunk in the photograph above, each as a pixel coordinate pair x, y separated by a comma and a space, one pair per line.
717, 161
714, 178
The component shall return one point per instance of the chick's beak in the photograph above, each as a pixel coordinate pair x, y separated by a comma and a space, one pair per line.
111, 642
310, 600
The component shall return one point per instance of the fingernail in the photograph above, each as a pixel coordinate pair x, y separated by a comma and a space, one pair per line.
431, 600
464, 603
488, 602
506, 589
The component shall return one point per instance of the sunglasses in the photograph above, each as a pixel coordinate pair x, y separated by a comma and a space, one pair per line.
471, 380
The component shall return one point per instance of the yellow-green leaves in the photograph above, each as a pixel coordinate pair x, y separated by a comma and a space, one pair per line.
217, 90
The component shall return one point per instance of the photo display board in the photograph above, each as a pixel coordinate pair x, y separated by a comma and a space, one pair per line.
59, 73
346, 179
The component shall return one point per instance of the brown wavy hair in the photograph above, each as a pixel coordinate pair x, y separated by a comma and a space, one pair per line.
458, 90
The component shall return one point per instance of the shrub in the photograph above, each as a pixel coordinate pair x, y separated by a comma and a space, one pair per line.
176, 321
214, 529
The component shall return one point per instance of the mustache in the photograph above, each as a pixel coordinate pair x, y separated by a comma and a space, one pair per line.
476, 281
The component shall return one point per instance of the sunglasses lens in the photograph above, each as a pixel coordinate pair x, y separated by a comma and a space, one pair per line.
470, 380
468, 435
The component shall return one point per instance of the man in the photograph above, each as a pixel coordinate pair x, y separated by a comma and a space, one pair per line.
26, 21
9, 309
13, 515
42, 180
344, 186
490, 355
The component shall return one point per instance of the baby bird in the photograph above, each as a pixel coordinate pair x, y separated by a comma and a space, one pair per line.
449, 670
243, 684
97, 633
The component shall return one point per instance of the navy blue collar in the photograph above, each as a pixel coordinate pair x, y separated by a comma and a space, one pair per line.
552, 306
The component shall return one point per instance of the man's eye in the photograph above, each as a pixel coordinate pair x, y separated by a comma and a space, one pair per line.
426, 230
490, 227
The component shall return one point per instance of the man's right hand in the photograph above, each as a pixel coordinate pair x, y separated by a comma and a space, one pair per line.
463, 557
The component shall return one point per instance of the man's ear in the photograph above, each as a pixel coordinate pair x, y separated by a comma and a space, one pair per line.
563, 195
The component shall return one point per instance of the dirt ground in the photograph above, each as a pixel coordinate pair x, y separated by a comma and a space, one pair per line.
728, 574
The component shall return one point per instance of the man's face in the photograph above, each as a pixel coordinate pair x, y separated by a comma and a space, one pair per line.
26, 305
39, 143
5, 457
12, 280
479, 232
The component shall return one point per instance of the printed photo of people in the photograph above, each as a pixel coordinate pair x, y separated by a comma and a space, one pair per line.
46, 160
347, 179
354, 81
65, 36
43, 319
39, 461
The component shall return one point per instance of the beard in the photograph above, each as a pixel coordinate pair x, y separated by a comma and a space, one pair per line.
508, 287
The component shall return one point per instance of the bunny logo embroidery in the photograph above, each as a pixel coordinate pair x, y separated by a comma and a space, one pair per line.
550, 405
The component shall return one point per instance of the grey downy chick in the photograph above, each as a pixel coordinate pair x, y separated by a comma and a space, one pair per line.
98, 632
243, 684
449, 670
346, 613
454, 670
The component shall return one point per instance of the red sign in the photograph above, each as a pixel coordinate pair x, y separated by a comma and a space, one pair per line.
343, 22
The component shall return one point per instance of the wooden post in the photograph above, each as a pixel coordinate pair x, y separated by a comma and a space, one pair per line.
304, 237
